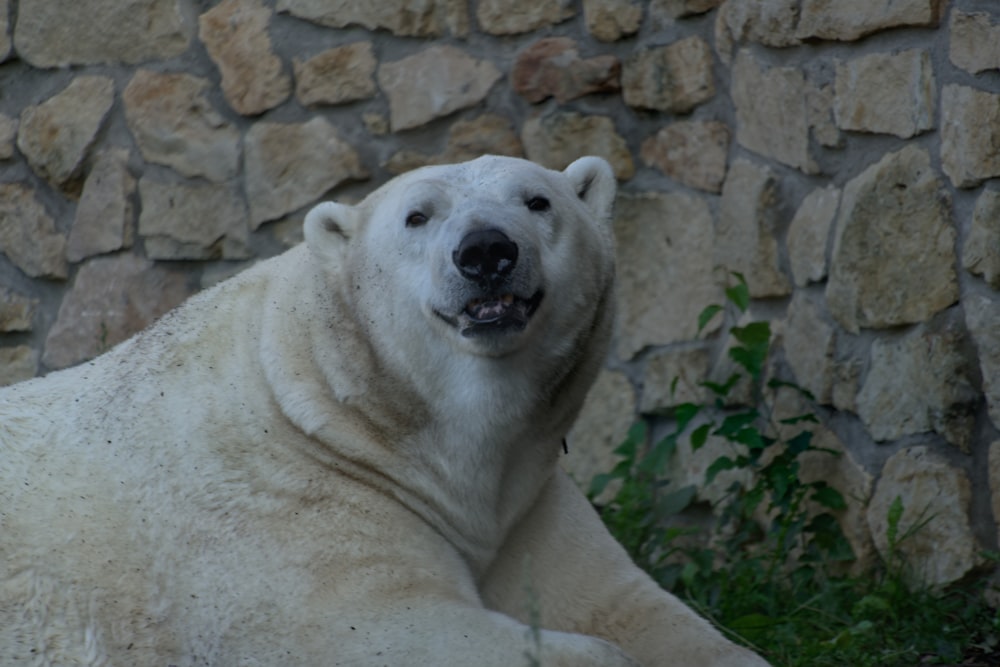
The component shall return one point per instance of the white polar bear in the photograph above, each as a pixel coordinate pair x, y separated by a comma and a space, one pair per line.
345, 455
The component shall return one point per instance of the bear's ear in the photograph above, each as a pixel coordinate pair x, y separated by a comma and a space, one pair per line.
328, 227
594, 182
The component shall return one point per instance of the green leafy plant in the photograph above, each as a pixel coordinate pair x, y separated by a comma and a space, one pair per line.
771, 570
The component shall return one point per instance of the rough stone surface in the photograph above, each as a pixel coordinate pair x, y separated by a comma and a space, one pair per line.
994, 477
681, 8
510, 17
610, 20
291, 165
8, 133
337, 76
820, 103
974, 42
893, 259
235, 34
57, 33
104, 215
890, 93
848, 20
664, 250
688, 367
919, 383
970, 131
944, 549
174, 225
809, 342
55, 135
674, 78
28, 235
982, 317
603, 424
17, 364
749, 217
467, 140
411, 18
112, 298
175, 125
552, 67
434, 83
555, 140
691, 152
768, 22
4, 30
981, 252
808, 234
772, 111
16, 311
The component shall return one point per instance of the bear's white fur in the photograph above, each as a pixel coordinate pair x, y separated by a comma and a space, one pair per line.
345, 455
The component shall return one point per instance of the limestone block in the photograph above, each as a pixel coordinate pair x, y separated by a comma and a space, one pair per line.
893, 259
104, 215
113, 297
970, 129
974, 42
16, 311
8, 133
681, 8
235, 34
981, 251
411, 18
767, 22
604, 421
809, 341
509, 17
691, 152
467, 140
808, 234
55, 135
945, 549
552, 67
174, 225
434, 83
28, 235
749, 216
772, 111
175, 125
57, 33
337, 76
556, 139
674, 78
664, 250
673, 377
847, 20
993, 467
610, 20
290, 165
982, 317
17, 364
819, 102
889, 93
918, 383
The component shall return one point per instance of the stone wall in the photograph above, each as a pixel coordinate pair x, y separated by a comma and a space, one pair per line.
841, 155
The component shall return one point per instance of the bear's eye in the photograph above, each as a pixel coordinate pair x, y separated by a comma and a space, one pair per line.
537, 204
415, 219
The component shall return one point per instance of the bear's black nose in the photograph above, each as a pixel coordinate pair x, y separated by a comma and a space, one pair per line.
486, 256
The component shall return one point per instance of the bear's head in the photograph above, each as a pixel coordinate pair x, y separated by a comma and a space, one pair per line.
487, 259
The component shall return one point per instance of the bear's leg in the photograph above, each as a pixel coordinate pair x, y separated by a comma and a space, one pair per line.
562, 559
449, 634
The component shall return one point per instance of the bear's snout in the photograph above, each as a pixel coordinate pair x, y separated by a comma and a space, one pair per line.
486, 256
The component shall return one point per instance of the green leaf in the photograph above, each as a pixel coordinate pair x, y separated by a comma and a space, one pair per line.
828, 497
675, 502
724, 388
718, 465
893, 517
699, 436
706, 316
755, 333
684, 413
599, 483
739, 294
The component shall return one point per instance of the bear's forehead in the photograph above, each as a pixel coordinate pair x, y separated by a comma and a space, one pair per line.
485, 175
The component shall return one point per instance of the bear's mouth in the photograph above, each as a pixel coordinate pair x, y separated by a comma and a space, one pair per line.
503, 312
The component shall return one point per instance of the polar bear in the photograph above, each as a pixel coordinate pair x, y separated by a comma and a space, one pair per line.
346, 455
